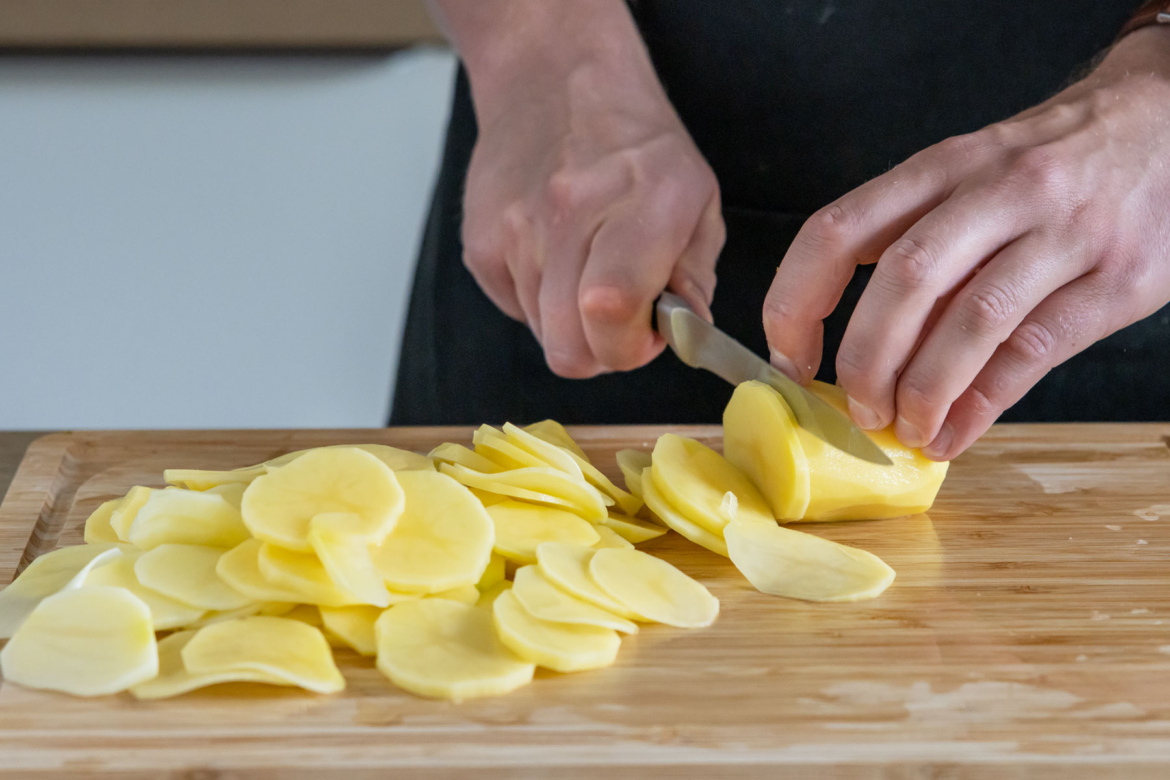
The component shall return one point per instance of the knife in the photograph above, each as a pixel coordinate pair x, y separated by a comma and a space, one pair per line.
700, 344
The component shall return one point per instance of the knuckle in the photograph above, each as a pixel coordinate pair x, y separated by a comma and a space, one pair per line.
779, 308
986, 310
829, 226
1033, 342
569, 364
1042, 168
608, 303
909, 263
914, 396
985, 403
959, 147
855, 368
564, 191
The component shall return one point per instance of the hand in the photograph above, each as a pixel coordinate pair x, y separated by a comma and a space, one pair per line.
999, 255
586, 198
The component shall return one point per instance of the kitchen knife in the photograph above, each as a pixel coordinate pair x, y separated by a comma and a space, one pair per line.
700, 344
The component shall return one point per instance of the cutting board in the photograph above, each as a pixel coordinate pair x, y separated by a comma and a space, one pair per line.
1027, 635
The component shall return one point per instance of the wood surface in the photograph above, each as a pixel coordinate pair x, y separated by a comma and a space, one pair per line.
215, 24
1027, 636
12, 447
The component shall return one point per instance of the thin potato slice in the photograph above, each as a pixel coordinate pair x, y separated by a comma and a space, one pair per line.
239, 567
285, 649
494, 446
254, 608
396, 459
309, 614
198, 479
165, 613
546, 601
673, 519
279, 506
633, 529
127, 509
347, 558
562, 647
494, 574
694, 478
83, 641
653, 588
303, 574
633, 463
354, 626
543, 485
567, 567
522, 527
174, 680
180, 516
571, 463
610, 538
555, 433
458, 455
49, 574
446, 650
464, 594
186, 573
489, 596
97, 526
784, 562
759, 438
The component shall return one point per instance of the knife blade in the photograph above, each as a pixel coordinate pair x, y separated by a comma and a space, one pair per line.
700, 344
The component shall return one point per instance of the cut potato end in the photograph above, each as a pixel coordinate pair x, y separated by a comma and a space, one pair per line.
677, 522
186, 573
521, 527
653, 589
562, 647
97, 526
178, 516
174, 680
84, 641
165, 612
567, 567
446, 650
548, 602
288, 650
784, 562
633, 529
353, 625
693, 478
348, 558
47, 575
610, 538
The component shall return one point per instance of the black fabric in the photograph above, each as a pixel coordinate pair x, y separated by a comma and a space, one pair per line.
793, 103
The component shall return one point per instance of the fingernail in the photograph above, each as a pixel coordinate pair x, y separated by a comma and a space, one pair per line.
785, 366
938, 448
866, 418
909, 435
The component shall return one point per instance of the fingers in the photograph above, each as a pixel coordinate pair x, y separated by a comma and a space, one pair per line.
694, 275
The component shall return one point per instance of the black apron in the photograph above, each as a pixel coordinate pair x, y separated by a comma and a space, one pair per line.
794, 103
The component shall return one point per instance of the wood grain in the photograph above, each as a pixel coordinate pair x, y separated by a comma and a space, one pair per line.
12, 447
1027, 636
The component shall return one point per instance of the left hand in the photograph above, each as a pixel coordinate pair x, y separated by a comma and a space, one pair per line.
999, 254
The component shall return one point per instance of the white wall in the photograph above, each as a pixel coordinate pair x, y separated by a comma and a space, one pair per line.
210, 241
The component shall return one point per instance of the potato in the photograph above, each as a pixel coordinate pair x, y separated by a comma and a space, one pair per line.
633, 529
279, 506
288, 650
304, 575
610, 538
239, 567
796, 565
446, 650
178, 516
562, 647
546, 601
459, 455
97, 526
759, 438
127, 509
567, 567
353, 625
83, 641
196, 479
555, 433
496, 447
464, 594
652, 588
173, 678
186, 573
165, 612
542, 485
489, 596
676, 521
494, 574
347, 557
693, 478
396, 459
521, 527
632, 463
48, 575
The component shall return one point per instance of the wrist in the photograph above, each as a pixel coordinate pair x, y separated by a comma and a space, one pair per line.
1143, 52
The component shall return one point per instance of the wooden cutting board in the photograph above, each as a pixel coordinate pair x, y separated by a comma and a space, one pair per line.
1027, 635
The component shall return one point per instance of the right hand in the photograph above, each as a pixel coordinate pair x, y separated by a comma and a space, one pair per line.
585, 199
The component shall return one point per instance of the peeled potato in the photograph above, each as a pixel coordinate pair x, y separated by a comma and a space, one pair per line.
279, 506
173, 678
464, 594
633, 529
494, 574
555, 433
784, 562
546, 601
633, 463
675, 520
567, 567
196, 479
652, 588
309, 614
165, 612
303, 574
562, 647
127, 509
47, 575
543, 485
607, 537
186, 573
83, 641
496, 447
443, 649
239, 567
187, 517
522, 527
759, 438
489, 596
254, 608
459, 455
353, 625
693, 478
396, 459
347, 557
288, 650
97, 526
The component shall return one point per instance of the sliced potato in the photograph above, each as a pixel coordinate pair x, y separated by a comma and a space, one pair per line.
784, 562
759, 438
303, 574
633, 463
180, 516
694, 478
457, 454
396, 459
49, 574
353, 625
521, 527
443, 540
97, 526
610, 538
548, 602
633, 529
464, 594
494, 574
555, 433
562, 647
127, 509
83, 641
197, 479
653, 589
173, 678
496, 447
239, 567
165, 612
279, 506
675, 520
309, 614
347, 557
567, 567
253, 608
446, 650
186, 573
542, 485
285, 649
489, 596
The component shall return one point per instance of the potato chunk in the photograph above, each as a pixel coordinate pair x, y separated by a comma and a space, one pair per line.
83, 641
446, 650
47, 575
548, 602
186, 573
522, 527
694, 478
676, 521
562, 647
567, 567
178, 516
173, 678
653, 589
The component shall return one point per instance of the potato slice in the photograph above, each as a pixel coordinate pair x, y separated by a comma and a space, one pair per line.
309, 614
446, 650
759, 438
49, 574
464, 594
562, 647
288, 650
303, 574
97, 526
489, 596
165, 613
83, 641
496, 447
522, 527
279, 506
633, 463
610, 538
457, 454
541, 485
186, 573
239, 567
494, 574
548, 602
127, 509
671, 516
347, 558
174, 680
555, 433
784, 562
396, 459
353, 625
443, 540
254, 608
567, 567
633, 529
180, 516
693, 478
653, 589
197, 479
